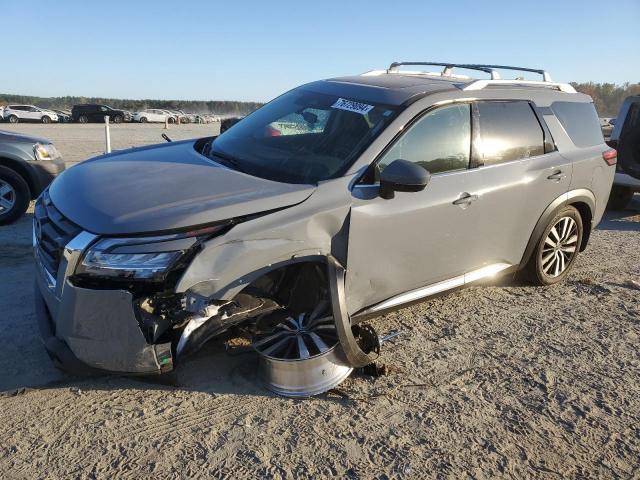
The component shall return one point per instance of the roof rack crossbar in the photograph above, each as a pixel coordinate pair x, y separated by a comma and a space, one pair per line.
446, 71
490, 69
545, 75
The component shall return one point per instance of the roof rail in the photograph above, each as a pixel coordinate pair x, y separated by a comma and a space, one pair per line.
480, 84
495, 76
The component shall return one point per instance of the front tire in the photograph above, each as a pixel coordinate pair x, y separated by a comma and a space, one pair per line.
45, 119
117, 119
557, 248
143, 119
620, 198
13, 119
14, 196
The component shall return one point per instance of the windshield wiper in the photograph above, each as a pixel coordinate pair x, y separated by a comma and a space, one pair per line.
229, 161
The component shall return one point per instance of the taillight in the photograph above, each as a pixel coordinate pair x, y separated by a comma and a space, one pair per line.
610, 156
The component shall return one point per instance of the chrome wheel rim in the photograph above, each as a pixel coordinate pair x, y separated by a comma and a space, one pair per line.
301, 338
559, 247
7, 197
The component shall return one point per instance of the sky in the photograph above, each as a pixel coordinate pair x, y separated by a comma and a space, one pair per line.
255, 50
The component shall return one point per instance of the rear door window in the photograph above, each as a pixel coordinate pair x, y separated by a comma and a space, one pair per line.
508, 131
580, 121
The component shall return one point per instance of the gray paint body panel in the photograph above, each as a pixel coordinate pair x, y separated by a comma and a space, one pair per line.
164, 188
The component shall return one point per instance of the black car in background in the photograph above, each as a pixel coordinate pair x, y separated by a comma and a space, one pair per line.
90, 112
27, 166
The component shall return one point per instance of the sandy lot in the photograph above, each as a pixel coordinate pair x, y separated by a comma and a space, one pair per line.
497, 380
78, 142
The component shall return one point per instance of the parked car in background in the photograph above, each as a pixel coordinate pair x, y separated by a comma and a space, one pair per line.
606, 124
625, 138
95, 113
227, 123
64, 116
27, 165
28, 113
154, 115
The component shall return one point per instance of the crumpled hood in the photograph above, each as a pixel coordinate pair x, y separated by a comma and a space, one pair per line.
163, 187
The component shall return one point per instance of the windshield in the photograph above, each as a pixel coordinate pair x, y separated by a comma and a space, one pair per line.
301, 137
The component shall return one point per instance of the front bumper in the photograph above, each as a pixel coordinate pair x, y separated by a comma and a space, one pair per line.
44, 171
86, 330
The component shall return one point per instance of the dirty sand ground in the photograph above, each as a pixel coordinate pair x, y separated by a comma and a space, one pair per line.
493, 381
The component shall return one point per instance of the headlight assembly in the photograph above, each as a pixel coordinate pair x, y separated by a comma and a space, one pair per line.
45, 151
150, 266
142, 258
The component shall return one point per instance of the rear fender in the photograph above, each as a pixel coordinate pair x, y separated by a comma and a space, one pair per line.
578, 196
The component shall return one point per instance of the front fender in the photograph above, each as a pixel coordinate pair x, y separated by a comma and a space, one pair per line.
222, 272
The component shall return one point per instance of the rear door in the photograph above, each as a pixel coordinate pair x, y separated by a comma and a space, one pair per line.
99, 112
522, 173
626, 137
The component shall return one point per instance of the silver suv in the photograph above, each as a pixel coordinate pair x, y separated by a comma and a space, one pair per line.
341, 199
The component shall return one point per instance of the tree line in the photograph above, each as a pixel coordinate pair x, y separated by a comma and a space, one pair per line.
607, 98
218, 107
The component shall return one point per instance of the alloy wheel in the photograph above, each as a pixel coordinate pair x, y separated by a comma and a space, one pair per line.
559, 247
7, 197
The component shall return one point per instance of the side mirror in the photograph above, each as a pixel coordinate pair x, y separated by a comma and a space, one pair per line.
402, 176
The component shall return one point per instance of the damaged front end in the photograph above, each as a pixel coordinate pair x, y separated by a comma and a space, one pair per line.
111, 304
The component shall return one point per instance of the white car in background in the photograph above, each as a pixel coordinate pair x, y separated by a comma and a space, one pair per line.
154, 115
28, 113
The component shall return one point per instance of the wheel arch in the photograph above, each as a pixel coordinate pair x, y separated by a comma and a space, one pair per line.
24, 171
582, 200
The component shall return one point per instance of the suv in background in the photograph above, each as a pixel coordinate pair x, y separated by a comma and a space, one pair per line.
27, 166
339, 200
154, 115
626, 139
95, 113
28, 113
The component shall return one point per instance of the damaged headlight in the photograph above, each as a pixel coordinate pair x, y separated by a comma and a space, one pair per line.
150, 258
128, 265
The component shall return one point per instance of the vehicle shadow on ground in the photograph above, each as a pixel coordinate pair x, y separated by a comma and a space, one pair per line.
627, 220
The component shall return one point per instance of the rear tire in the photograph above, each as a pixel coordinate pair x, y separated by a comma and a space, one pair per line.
13, 119
45, 119
14, 196
557, 248
83, 119
117, 119
620, 198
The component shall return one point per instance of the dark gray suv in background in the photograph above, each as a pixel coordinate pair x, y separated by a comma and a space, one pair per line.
339, 200
27, 165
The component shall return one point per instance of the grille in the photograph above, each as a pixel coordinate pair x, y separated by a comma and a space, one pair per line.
53, 232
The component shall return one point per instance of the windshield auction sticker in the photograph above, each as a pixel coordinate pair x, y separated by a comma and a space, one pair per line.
351, 106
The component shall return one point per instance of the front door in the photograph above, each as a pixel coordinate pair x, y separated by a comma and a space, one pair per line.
418, 238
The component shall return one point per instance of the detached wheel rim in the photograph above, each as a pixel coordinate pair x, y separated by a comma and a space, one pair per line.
301, 357
559, 247
7, 197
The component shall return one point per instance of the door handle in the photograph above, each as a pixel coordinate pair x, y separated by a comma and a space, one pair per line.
557, 176
465, 199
